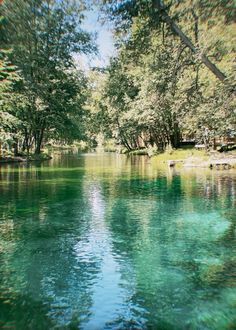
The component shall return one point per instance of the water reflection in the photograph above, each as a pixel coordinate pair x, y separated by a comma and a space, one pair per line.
111, 242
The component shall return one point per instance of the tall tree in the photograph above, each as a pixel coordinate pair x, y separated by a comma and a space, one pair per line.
125, 11
9, 76
44, 35
157, 87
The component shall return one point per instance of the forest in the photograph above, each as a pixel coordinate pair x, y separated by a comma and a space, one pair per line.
172, 78
131, 222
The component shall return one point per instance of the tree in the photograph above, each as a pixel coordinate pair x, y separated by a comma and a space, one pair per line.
8, 77
159, 90
124, 12
44, 35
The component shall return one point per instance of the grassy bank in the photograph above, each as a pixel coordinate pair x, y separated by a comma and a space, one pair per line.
191, 157
181, 154
24, 158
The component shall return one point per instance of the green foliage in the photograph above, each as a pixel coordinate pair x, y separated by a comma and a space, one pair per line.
8, 77
48, 99
157, 90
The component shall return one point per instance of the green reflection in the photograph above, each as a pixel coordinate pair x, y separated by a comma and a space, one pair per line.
106, 241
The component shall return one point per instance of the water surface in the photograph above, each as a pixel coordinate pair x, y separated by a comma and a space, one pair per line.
108, 241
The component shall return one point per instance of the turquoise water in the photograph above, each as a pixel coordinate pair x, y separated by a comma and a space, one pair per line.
106, 241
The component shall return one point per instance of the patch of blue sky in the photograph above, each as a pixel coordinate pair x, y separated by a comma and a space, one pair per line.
104, 41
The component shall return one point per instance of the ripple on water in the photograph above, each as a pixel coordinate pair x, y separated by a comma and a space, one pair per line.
102, 242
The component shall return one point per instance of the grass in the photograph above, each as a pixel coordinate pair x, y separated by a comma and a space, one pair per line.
139, 152
110, 149
181, 154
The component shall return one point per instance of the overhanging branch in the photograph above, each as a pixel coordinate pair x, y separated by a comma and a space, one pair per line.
174, 27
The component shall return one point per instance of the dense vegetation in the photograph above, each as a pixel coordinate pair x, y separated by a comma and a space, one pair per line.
42, 93
173, 76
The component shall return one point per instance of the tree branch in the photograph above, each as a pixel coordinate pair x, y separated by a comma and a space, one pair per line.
174, 27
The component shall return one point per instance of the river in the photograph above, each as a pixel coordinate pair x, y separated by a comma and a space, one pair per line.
106, 241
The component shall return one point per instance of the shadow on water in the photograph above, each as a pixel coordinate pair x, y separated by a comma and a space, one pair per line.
24, 313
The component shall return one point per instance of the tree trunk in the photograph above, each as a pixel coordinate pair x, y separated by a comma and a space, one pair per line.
38, 141
174, 27
214, 143
125, 142
26, 143
15, 147
175, 136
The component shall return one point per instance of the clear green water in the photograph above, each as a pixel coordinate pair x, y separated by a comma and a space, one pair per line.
109, 242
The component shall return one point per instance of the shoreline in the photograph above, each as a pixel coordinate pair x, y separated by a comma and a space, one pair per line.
178, 157
22, 159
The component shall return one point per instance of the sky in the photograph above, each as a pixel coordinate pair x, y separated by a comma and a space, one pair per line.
104, 41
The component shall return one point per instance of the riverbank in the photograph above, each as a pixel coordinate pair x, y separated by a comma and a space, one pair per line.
197, 158
21, 159
186, 157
